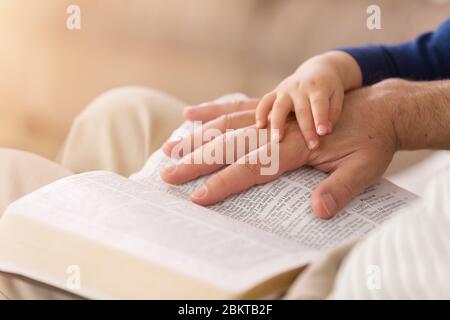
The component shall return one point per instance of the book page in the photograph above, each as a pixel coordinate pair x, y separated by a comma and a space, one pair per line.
282, 207
189, 239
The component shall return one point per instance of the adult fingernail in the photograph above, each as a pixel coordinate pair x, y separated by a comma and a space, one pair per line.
172, 143
200, 192
322, 130
312, 144
329, 203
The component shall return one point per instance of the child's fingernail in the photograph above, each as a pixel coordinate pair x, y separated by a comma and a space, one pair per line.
275, 137
312, 144
322, 130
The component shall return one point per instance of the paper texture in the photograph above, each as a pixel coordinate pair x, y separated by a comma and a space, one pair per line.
190, 239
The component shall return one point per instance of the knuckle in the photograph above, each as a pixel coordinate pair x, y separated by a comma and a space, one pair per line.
309, 84
282, 95
296, 98
312, 83
347, 189
318, 98
277, 107
280, 104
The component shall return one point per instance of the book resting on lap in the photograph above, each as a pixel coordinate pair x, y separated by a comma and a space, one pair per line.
139, 238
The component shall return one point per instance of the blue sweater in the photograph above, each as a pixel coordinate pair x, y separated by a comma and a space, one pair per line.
426, 58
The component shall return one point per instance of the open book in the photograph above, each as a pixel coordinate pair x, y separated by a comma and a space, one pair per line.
141, 238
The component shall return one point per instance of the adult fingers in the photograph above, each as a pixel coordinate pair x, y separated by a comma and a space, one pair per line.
208, 132
226, 149
211, 110
232, 179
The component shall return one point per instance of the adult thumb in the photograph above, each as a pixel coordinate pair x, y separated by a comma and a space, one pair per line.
349, 179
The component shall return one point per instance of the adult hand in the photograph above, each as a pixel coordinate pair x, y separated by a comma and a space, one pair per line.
355, 155
211, 110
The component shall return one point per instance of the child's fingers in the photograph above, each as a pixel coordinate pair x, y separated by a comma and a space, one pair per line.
263, 108
305, 120
336, 101
320, 104
281, 109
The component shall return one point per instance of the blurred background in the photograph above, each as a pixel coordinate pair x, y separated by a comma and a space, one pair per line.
192, 49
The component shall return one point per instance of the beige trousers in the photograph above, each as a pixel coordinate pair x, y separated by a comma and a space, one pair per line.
117, 132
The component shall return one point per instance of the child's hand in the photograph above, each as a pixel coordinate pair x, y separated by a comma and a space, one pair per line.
315, 92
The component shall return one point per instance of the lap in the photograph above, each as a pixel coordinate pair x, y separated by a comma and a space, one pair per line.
120, 129
117, 132
23, 172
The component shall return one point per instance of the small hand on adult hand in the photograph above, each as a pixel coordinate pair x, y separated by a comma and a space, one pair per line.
247, 168
356, 154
